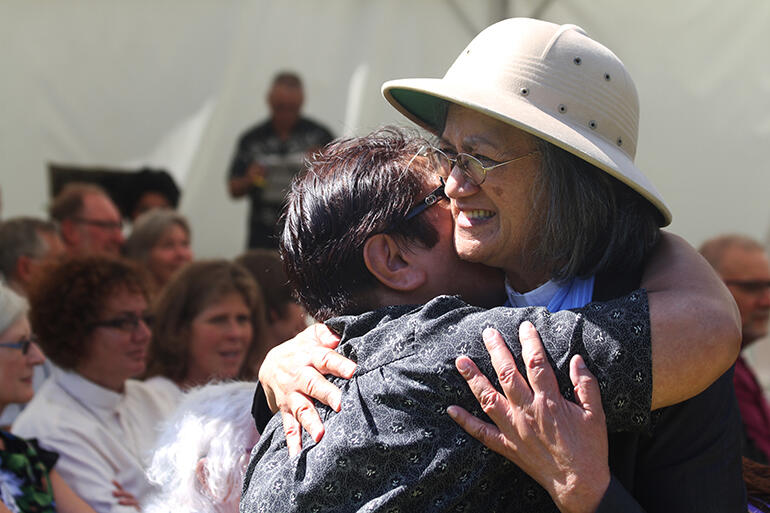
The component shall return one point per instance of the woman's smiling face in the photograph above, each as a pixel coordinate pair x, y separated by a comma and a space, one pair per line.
494, 221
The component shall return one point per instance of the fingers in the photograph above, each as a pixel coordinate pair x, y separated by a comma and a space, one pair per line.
303, 410
494, 404
313, 384
511, 380
539, 371
318, 334
487, 434
328, 361
293, 435
586, 386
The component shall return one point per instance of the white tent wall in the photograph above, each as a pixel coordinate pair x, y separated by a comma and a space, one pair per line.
174, 83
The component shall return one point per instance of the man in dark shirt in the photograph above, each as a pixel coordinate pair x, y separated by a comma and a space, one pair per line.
270, 154
392, 446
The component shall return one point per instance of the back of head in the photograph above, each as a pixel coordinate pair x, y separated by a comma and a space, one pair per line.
67, 300
69, 202
195, 287
21, 236
352, 189
202, 453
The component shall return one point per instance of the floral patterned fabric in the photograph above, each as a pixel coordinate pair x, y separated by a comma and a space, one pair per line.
393, 448
24, 483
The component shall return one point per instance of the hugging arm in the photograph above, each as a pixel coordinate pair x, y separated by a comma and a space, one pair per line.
691, 314
695, 324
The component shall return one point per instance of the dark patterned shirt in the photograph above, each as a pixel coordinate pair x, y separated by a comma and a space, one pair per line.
393, 448
282, 160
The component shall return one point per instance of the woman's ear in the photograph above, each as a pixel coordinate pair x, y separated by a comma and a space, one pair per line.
391, 265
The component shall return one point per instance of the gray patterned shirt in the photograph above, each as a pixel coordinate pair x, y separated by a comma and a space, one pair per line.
393, 448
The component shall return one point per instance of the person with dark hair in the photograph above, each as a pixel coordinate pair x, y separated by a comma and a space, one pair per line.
90, 314
744, 265
25, 243
270, 154
88, 219
160, 241
285, 317
367, 230
206, 320
149, 189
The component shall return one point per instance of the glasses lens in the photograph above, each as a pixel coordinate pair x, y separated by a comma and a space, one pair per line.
442, 166
471, 168
25, 345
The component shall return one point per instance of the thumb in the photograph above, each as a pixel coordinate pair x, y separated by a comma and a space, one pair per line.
586, 386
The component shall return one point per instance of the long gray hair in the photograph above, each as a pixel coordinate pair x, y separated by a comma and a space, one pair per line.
149, 228
586, 221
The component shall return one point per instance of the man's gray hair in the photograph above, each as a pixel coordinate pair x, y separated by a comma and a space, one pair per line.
20, 236
149, 228
713, 250
212, 422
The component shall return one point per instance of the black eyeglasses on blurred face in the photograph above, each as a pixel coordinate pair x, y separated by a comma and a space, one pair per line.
23, 344
128, 323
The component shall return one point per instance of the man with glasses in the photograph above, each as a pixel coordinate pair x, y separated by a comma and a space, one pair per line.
89, 220
366, 233
743, 264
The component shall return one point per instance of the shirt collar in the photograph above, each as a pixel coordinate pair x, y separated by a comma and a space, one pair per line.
540, 296
99, 400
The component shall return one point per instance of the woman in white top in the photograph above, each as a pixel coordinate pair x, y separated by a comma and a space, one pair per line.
90, 314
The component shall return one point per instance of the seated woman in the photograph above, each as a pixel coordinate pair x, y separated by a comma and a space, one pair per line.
205, 322
90, 314
160, 241
202, 453
28, 481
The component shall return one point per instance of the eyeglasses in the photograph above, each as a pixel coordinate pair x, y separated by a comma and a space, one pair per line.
104, 225
22, 344
127, 323
751, 286
428, 201
471, 167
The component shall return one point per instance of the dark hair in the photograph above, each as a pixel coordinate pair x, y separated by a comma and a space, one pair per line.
267, 269
586, 221
148, 180
69, 202
19, 237
288, 79
352, 189
195, 287
68, 298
